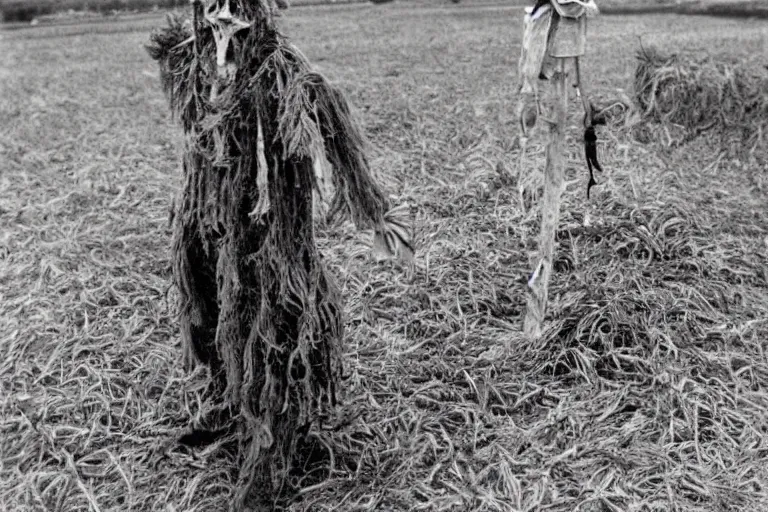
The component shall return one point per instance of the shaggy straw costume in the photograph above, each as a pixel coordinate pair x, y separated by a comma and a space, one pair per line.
256, 305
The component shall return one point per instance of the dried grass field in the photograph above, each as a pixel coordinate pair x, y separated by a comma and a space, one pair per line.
648, 392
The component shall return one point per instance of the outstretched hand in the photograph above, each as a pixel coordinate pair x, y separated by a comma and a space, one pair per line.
392, 238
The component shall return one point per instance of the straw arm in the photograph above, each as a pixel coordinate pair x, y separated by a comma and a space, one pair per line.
315, 121
356, 191
173, 47
345, 148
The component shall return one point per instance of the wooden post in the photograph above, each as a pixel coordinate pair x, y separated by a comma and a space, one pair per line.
538, 282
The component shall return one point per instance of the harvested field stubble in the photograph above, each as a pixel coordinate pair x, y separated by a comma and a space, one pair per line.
647, 392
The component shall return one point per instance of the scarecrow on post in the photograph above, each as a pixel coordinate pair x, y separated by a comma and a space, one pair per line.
255, 302
554, 34
555, 31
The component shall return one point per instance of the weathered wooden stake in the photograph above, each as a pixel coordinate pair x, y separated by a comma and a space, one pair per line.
538, 283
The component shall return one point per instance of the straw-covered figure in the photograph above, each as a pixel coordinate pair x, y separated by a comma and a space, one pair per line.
256, 305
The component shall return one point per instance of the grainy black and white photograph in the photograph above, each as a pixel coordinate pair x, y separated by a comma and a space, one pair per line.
383, 255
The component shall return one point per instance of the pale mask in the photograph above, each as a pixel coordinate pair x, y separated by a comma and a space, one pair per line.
224, 24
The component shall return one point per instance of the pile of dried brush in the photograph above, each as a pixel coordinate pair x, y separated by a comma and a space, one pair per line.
701, 94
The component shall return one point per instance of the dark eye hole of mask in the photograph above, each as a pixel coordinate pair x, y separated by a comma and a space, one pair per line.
230, 53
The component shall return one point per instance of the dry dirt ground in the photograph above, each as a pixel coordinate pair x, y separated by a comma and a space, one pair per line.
648, 392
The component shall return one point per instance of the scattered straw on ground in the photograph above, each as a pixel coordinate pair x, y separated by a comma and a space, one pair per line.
649, 391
